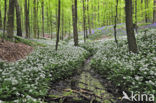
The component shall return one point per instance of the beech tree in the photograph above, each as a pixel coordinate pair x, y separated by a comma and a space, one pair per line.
4, 22
75, 31
129, 27
58, 24
18, 18
43, 17
84, 21
37, 17
116, 16
27, 18
10, 23
154, 12
0, 19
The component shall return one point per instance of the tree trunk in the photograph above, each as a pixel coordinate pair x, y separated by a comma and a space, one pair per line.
4, 22
51, 25
84, 21
0, 19
62, 37
47, 13
98, 12
76, 31
10, 23
89, 24
69, 29
35, 20
129, 27
37, 23
154, 12
58, 24
27, 19
146, 14
18, 18
136, 18
116, 17
74, 12
43, 17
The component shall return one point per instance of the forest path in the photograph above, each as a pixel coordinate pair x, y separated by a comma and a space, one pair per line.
85, 87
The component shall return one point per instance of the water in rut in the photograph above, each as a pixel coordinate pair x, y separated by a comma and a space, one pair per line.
82, 88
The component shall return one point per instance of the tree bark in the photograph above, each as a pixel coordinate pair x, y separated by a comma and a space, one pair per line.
129, 27
146, 14
10, 23
116, 17
43, 17
136, 17
69, 29
0, 19
154, 12
58, 24
4, 22
89, 24
98, 12
18, 18
37, 23
27, 18
62, 37
51, 25
75, 31
84, 21
35, 20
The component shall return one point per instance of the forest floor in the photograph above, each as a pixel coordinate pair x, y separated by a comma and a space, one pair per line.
84, 74
11, 52
86, 86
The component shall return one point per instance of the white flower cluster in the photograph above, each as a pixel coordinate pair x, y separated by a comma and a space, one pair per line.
135, 71
31, 77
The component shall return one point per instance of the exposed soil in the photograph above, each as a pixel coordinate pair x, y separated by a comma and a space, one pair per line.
84, 87
11, 52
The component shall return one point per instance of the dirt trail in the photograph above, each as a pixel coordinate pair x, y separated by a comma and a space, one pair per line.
85, 87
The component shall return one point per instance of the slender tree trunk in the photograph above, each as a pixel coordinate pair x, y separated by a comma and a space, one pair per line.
37, 23
35, 19
98, 12
47, 13
0, 18
129, 27
154, 12
92, 15
51, 23
142, 13
62, 37
69, 29
29, 30
43, 17
84, 21
75, 31
89, 24
116, 17
10, 23
146, 14
136, 18
58, 24
26, 18
4, 22
18, 18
